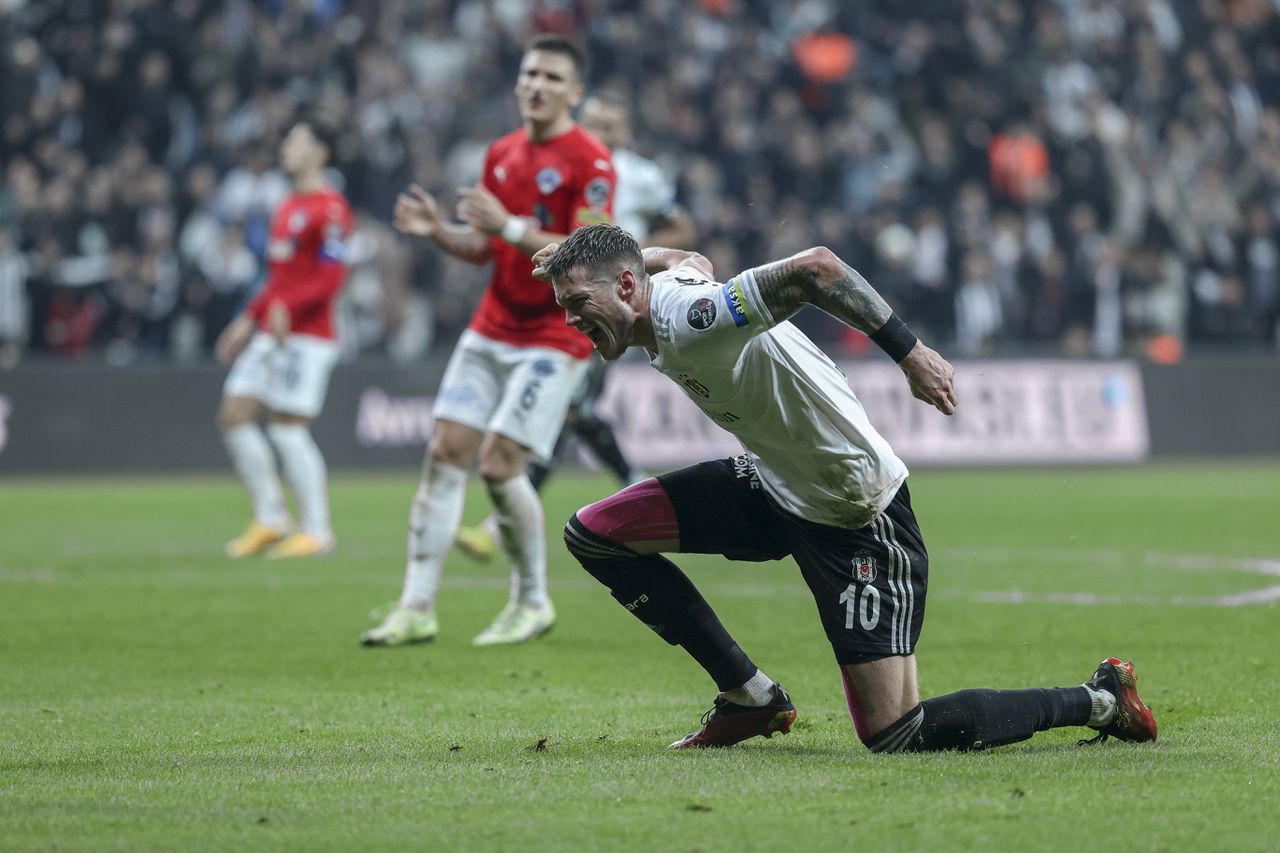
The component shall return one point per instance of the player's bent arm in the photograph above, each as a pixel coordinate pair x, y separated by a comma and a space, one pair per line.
818, 277
464, 242
532, 239
658, 259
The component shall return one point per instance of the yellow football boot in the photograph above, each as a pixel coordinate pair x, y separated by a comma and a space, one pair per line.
475, 542
301, 545
255, 539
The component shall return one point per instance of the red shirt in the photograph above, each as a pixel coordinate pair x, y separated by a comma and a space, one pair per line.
307, 261
563, 183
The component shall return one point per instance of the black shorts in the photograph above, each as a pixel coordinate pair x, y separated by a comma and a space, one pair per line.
869, 584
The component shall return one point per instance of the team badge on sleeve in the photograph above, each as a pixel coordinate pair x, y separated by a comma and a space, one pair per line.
737, 303
334, 247
702, 314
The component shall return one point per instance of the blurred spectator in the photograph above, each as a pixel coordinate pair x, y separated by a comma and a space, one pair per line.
1075, 176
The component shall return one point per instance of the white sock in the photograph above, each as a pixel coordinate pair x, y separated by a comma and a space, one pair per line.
1104, 707
490, 526
756, 692
305, 470
522, 532
433, 522
251, 455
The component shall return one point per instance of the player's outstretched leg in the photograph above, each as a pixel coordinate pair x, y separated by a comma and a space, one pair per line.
306, 472
981, 719
610, 538
253, 460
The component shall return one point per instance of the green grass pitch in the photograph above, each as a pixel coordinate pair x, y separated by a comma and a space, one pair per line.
154, 695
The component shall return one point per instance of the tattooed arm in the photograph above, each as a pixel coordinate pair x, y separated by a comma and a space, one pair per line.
818, 277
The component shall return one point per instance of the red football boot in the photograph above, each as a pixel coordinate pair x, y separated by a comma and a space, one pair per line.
1133, 720
728, 723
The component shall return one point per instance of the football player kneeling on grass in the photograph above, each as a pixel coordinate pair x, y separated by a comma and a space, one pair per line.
816, 482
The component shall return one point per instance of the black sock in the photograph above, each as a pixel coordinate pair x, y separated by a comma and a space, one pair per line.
599, 437
979, 719
660, 595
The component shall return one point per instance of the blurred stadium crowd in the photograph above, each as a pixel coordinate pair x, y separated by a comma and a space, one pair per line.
1066, 176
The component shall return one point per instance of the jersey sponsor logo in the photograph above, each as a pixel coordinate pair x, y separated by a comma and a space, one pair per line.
597, 192
688, 281
544, 367
602, 165
694, 385
737, 303
864, 568
297, 221
702, 314
591, 216
744, 469
548, 180
280, 250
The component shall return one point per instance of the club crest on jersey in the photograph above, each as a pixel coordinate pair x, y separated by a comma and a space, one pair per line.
500, 172
548, 180
597, 192
864, 568
297, 221
737, 303
702, 314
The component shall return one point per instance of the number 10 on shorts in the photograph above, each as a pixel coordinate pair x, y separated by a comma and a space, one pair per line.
865, 607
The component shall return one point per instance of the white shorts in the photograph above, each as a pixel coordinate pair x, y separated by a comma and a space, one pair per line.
521, 393
291, 378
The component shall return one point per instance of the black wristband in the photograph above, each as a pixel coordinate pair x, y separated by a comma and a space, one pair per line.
894, 338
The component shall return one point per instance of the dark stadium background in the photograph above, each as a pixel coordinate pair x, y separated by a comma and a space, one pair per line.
1078, 179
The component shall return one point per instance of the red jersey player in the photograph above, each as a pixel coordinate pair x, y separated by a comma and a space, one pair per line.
283, 350
504, 394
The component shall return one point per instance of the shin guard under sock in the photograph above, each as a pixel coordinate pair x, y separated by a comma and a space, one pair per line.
657, 593
979, 719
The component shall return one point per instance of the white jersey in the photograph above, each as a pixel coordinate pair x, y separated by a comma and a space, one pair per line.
817, 454
644, 193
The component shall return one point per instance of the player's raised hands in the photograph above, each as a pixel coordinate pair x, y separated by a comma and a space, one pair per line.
540, 259
481, 209
931, 378
417, 213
